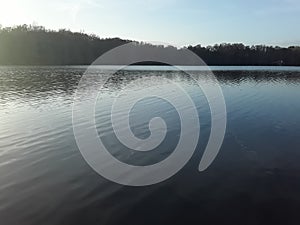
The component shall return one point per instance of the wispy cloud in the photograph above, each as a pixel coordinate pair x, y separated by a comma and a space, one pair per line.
73, 8
280, 7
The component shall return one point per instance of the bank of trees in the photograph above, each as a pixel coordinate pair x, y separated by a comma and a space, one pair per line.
35, 45
239, 54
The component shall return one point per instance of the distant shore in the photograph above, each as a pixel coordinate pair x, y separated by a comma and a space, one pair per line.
35, 45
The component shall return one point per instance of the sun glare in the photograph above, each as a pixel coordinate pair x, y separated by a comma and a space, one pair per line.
14, 12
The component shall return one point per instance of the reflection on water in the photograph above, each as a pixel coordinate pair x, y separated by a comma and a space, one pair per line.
255, 178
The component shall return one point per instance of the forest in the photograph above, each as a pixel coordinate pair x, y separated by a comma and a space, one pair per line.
36, 45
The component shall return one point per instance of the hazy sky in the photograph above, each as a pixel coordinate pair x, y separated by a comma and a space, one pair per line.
178, 22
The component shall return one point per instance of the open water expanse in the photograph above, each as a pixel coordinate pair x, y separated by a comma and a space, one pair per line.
255, 178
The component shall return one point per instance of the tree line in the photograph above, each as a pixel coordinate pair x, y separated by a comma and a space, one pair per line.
35, 45
256, 55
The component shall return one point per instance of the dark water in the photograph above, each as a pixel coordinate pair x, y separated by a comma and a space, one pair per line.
255, 178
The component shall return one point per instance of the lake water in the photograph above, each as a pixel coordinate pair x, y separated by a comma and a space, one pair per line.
255, 178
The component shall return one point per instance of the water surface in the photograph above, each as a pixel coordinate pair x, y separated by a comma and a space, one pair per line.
255, 178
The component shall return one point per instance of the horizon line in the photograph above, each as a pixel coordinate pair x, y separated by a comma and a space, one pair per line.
152, 42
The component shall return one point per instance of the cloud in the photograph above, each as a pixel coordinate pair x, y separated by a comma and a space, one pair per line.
279, 7
73, 8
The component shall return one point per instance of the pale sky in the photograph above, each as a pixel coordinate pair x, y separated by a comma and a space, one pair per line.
177, 22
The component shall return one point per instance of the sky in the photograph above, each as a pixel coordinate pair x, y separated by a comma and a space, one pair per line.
175, 22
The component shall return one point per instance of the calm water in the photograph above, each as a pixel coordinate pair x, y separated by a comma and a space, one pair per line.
255, 178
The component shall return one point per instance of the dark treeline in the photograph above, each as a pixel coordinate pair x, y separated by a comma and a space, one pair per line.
239, 54
35, 45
